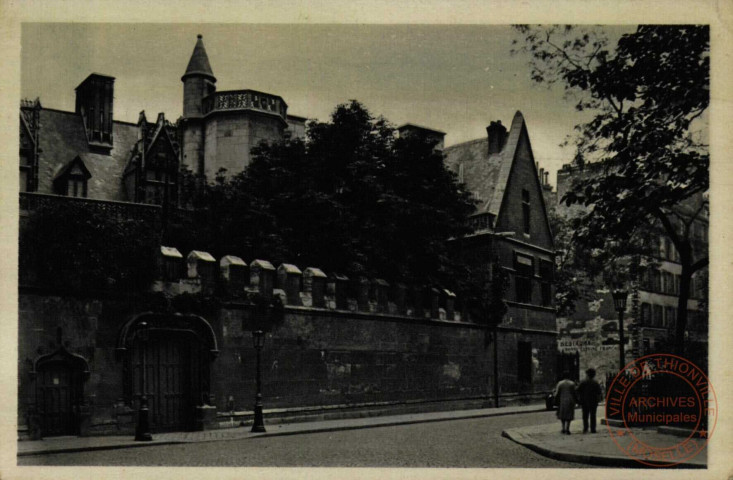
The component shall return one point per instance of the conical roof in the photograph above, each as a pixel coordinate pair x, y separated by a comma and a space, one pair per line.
199, 63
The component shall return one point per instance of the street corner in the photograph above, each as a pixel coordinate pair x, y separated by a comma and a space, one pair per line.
595, 448
662, 391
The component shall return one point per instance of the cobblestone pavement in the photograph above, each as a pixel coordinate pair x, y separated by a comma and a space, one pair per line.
78, 444
475, 442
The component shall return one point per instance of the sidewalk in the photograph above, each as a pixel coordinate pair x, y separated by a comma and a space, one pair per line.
598, 448
80, 444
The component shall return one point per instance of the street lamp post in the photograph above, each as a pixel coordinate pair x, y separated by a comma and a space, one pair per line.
496, 366
619, 302
495, 235
258, 338
142, 432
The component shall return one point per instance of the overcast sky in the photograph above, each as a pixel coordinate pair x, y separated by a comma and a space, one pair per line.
451, 78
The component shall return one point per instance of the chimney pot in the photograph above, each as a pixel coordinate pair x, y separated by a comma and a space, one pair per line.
497, 136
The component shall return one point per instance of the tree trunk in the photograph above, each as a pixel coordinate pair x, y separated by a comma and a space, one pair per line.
684, 295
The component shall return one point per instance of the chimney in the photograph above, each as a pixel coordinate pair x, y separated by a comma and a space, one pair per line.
542, 176
497, 136
94, 102
547, 178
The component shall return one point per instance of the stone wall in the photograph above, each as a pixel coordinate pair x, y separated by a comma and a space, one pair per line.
340, 341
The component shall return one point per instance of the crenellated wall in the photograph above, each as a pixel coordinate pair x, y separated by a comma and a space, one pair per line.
341, 341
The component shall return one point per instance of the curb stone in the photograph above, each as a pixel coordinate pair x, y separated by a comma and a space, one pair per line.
590, 459
307, 427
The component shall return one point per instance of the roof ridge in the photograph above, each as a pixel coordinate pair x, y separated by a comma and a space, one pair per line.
467, 142
507, 155
67, 112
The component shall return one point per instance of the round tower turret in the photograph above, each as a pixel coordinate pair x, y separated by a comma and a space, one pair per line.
198, 82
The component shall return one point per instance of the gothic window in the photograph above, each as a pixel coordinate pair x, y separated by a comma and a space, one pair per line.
72, 179
546, 282
668, 283
646, 314
656, 281
23, 187
525, 210
25, 171
658, 312
76, 186
160, 179
524, 271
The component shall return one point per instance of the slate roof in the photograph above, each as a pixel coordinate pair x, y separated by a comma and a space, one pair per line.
199, 62
62, 138
486, 174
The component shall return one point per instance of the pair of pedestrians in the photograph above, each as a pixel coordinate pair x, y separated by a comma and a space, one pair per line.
567, 395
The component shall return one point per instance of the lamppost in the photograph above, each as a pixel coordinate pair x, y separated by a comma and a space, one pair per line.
496, 365
258, 339
142, 432
619, 302
494, 276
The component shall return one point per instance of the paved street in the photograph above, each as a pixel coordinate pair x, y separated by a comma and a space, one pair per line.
457, 443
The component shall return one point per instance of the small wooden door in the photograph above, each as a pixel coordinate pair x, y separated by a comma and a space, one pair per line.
172, 379
58, 394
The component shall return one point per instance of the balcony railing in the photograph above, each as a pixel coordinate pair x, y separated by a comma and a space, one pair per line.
32, 201
245, 100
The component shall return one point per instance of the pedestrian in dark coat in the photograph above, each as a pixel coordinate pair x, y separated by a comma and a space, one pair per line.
589, 394
565, 400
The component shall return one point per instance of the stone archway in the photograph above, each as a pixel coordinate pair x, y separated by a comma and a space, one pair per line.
168, 357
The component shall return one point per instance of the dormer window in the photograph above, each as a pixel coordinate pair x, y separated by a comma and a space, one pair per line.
72, 179
76, 186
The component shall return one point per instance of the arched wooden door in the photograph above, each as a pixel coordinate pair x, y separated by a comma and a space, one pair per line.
174, 378
60, 392
168, 357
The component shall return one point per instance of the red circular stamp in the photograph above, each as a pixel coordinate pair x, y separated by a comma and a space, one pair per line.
661, 410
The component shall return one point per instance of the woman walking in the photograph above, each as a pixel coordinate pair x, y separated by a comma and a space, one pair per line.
565, 401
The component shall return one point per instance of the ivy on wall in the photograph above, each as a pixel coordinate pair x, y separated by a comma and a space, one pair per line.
80, 246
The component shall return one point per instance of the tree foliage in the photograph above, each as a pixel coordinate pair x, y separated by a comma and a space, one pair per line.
75, 245
647, 95
485, 290
353, 198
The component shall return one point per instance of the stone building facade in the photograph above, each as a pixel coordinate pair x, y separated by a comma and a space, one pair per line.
652, 303
512, 226
340, 342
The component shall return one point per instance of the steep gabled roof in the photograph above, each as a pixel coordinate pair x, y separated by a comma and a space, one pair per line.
62, 138
486, 175
161, 128
470, 160
199, 62
507, 153
77, 162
